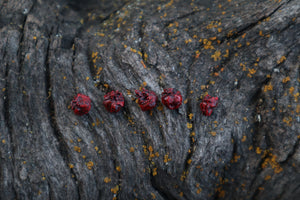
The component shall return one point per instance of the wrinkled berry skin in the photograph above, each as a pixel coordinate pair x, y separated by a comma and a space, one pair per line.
81, 104
114, 101
146, 99
207, 104
171, 98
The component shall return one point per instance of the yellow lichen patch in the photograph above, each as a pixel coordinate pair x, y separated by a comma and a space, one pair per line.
288, 120
226, 54
87, 78
286, 79
213, 133
271, 160
189, 161
142, 62
235, 158
244, 66
268, 87
78, 149
261, 33
71, 166
107, 180
131, 149
244, 138
166, 158
188, 41
115, 189
298, 108
34, 37
258, 150
133, 50
221, 193
251, 72
154, 172
153, 195
192, 134
189, 125
268, 177
216, 55
283, 58
183, 176
296, 96
199, 190
191, 115
3, 141
291, 90
89, 165
118, 168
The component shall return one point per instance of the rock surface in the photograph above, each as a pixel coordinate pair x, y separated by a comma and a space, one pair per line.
244, 52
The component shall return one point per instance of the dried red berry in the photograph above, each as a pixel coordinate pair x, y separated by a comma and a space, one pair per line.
81, 104
146, 99
171, 98
207, 104
114, 101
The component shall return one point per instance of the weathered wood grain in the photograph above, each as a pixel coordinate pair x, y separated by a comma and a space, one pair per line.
244, 52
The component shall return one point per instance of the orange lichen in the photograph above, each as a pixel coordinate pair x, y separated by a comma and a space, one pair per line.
131, 149
258, 150
89, 165
271, 160
213, 133
288, 120
154, 172
153, 195
115, 190
244, 138
283, 58
291, 90
286, 79
166, 158
268, 87
107, 180
216, 55
189, 125
268, 177
78, 149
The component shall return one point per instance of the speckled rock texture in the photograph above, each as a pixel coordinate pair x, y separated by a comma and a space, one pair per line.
244, 52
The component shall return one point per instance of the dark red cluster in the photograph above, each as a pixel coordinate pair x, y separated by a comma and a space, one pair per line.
81, 104
114, 101
207, 104
171, 98
146, 99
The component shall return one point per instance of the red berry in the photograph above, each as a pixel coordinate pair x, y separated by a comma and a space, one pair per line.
114, 101
81, 104
207, 104
171, 98
146, 99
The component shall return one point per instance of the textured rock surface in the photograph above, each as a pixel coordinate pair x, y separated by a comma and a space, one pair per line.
244, 52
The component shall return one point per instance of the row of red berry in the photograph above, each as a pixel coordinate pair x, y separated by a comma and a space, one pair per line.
114, 101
